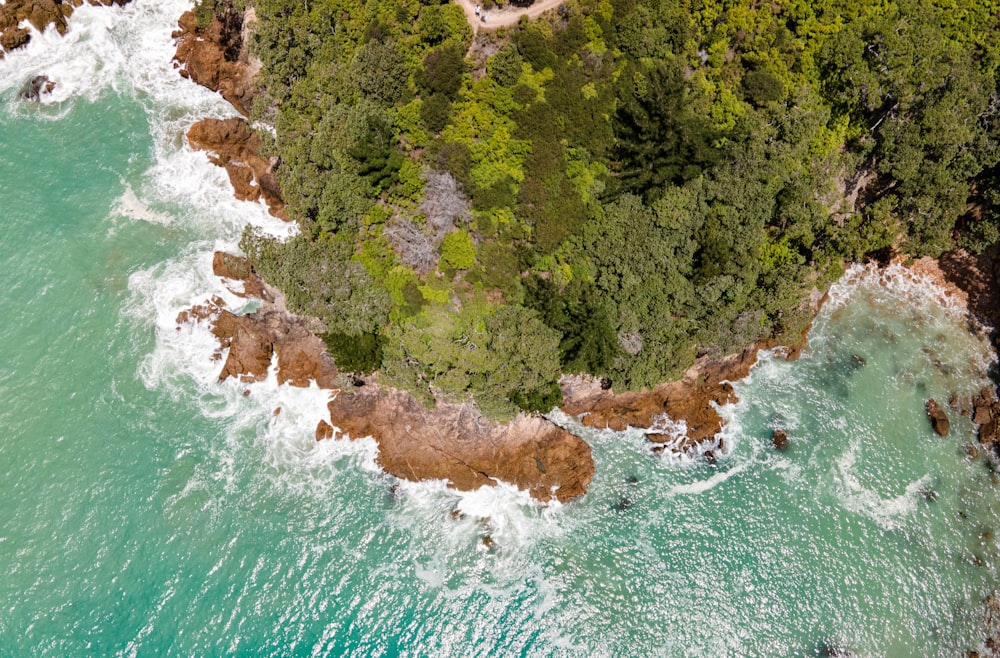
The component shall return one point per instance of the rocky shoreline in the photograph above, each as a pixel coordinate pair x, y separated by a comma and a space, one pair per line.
41, 14
453, 442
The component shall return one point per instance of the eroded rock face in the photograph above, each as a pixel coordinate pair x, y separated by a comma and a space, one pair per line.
455, 443
41, 14
232, 145
255, 338
215, 55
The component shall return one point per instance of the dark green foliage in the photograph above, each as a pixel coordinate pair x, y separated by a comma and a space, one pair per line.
380, 72
358, 354
652, 181
442, 71
761, 87
658, 141
434, 112
505, 66
588, 342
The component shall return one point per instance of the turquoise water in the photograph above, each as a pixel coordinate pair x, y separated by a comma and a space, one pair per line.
149, 510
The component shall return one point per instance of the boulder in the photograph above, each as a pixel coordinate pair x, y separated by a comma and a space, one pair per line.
324, 430
779, 439
255, 338
938, 418
455, 443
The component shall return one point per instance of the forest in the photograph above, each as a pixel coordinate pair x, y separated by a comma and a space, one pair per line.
616, 188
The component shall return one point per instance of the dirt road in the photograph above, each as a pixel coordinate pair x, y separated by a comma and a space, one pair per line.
507, 16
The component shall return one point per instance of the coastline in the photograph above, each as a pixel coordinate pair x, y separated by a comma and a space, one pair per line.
678, 416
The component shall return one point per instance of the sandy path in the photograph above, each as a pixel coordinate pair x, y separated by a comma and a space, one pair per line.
501, 17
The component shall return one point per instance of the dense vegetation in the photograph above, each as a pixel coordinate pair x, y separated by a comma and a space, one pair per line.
614, 189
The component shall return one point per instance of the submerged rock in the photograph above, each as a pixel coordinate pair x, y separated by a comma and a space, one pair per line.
34, 88
938, 418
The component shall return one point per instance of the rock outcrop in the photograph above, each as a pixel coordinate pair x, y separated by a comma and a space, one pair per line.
986, 414
213, 53
41, 14
451, 442
232, 145
938, 418
455, 443
692, 399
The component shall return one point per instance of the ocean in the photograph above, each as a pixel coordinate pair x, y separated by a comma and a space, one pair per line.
148, 510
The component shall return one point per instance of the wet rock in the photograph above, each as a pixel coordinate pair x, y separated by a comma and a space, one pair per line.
632, 480
488, 542
938, 418
779, 439
216, 55
709, 457
971, 452
692, 399
232, 145
277, 411
859, 360
236, 268
929, 495
455, 443
34, 88
14, 37
457, 515
324, 430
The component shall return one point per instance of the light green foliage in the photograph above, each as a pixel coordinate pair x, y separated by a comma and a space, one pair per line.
320, 279
458, 250
492, 357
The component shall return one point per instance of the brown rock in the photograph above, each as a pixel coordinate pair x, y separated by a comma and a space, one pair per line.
982, 414
215, 56
232, 145
253, 339
324, 430
455, 443
690, 399
988, 433
237, 268
13, 38
779, 439
938, 418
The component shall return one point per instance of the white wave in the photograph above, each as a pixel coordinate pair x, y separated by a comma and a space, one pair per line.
893, 284
132, 207
889, 513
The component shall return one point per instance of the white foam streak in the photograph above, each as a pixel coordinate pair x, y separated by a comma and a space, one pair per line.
889, 513
710, 483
